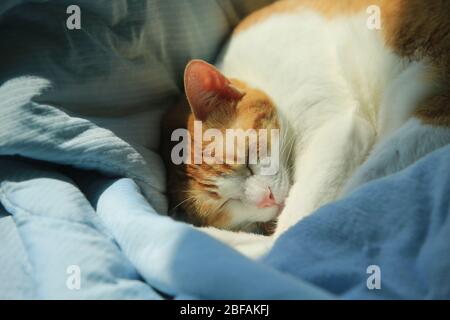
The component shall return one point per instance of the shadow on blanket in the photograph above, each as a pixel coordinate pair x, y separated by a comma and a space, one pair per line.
399, 224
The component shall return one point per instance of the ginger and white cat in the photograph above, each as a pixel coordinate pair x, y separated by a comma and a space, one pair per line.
353, 104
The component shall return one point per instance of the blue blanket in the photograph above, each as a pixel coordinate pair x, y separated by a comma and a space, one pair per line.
82, 187
399, 224
91, 99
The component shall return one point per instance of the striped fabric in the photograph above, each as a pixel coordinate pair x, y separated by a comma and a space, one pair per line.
119, 72
93, 98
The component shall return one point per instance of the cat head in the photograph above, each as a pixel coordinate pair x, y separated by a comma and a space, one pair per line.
236, 195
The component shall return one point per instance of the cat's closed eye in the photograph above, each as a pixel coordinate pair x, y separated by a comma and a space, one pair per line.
237, 196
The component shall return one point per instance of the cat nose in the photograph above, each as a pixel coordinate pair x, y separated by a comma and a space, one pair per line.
267, 201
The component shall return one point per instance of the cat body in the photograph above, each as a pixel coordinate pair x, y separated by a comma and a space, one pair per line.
354, 102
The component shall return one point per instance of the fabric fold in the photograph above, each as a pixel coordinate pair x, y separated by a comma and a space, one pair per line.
64, 238
176, 259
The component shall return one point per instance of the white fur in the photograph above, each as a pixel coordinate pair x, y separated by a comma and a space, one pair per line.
340, 89
243, 193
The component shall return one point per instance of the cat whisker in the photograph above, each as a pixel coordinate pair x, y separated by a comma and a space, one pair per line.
185, 200
291, 142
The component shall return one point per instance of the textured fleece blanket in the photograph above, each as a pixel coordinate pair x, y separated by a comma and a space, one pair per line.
82, 187
91, 99
397, 228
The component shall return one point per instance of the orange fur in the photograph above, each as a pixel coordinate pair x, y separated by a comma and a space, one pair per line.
328, 8
191, 185
415, 29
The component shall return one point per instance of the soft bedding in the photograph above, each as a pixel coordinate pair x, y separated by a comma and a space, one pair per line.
82, 185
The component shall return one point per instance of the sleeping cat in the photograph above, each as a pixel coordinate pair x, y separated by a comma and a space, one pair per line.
354, 100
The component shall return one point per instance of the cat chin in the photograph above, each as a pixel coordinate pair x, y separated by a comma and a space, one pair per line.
261, 226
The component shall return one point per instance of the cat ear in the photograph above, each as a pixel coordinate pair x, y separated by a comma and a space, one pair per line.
207, 89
